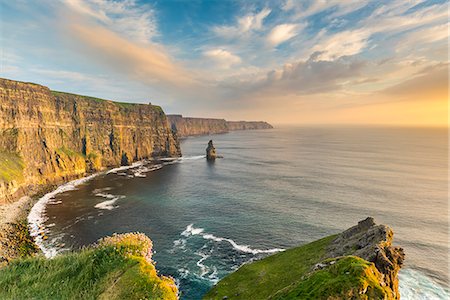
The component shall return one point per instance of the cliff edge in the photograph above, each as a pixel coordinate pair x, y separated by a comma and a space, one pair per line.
47, 137
359, 263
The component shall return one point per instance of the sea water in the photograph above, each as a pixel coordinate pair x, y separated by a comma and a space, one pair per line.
274, 189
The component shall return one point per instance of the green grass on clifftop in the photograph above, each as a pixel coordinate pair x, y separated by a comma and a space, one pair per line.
344, 279
262, 279
118, 269
292, 274
11, 167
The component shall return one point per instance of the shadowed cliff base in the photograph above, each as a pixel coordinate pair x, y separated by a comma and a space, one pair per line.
359, 263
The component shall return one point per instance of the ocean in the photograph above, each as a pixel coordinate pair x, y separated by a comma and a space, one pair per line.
273, 189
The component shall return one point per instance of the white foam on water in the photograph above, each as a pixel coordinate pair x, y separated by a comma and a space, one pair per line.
108, 204
415, 285
203, 268
123, 168
37, 218
191, 230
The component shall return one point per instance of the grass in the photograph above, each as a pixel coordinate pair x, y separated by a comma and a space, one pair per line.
261, 279
291, 275
347, 278
11, 167
22, 242
69, 152
118, 268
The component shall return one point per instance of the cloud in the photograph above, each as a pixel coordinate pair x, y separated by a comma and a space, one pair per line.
223, 58
431, 83
133, 20
244, 24
148, 63
283, 32
301, 78
344, 43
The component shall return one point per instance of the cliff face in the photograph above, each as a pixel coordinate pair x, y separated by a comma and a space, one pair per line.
47, 137
248, 125
372, 243
196, 126
185, 126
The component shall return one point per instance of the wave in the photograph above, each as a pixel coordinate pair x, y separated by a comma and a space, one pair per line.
191, 230
123, 168
36, 218
415, 285
108, 204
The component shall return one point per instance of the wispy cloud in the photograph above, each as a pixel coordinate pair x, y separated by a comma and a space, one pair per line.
223, 58
283, 32
148, 63
136, 22
244, 24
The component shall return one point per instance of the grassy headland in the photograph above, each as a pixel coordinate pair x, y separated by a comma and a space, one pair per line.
303, 273
119, 267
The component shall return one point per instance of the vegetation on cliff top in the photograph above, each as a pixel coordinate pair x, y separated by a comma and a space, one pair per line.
119, 267
99, 100
303, 273
11, 166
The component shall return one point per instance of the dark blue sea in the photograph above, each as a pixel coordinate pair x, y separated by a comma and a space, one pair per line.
274, 189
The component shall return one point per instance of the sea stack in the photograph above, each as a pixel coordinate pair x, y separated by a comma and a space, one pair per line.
211, 151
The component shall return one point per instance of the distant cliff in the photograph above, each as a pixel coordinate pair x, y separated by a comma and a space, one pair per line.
186, 126
359, 263
48, 137
248, 125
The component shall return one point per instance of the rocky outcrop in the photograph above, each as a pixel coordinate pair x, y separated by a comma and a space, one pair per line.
360, 264
186, 126
47, 137
373, 243
211, 151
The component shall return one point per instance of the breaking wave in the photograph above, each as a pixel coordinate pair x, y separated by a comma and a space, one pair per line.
414, 285
108, 204
37, 217
191, 230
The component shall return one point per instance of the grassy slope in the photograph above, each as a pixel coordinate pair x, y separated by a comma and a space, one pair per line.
11, 166
261, 279
113, 271
290, 275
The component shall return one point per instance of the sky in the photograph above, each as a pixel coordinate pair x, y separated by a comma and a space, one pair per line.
285, 62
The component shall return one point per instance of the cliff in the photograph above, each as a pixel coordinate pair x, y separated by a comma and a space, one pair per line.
47, 136
248, 125
118, 267
359, 263
186, 126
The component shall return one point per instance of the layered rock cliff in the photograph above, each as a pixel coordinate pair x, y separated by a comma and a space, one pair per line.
186, 126
47, 137
248, 125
